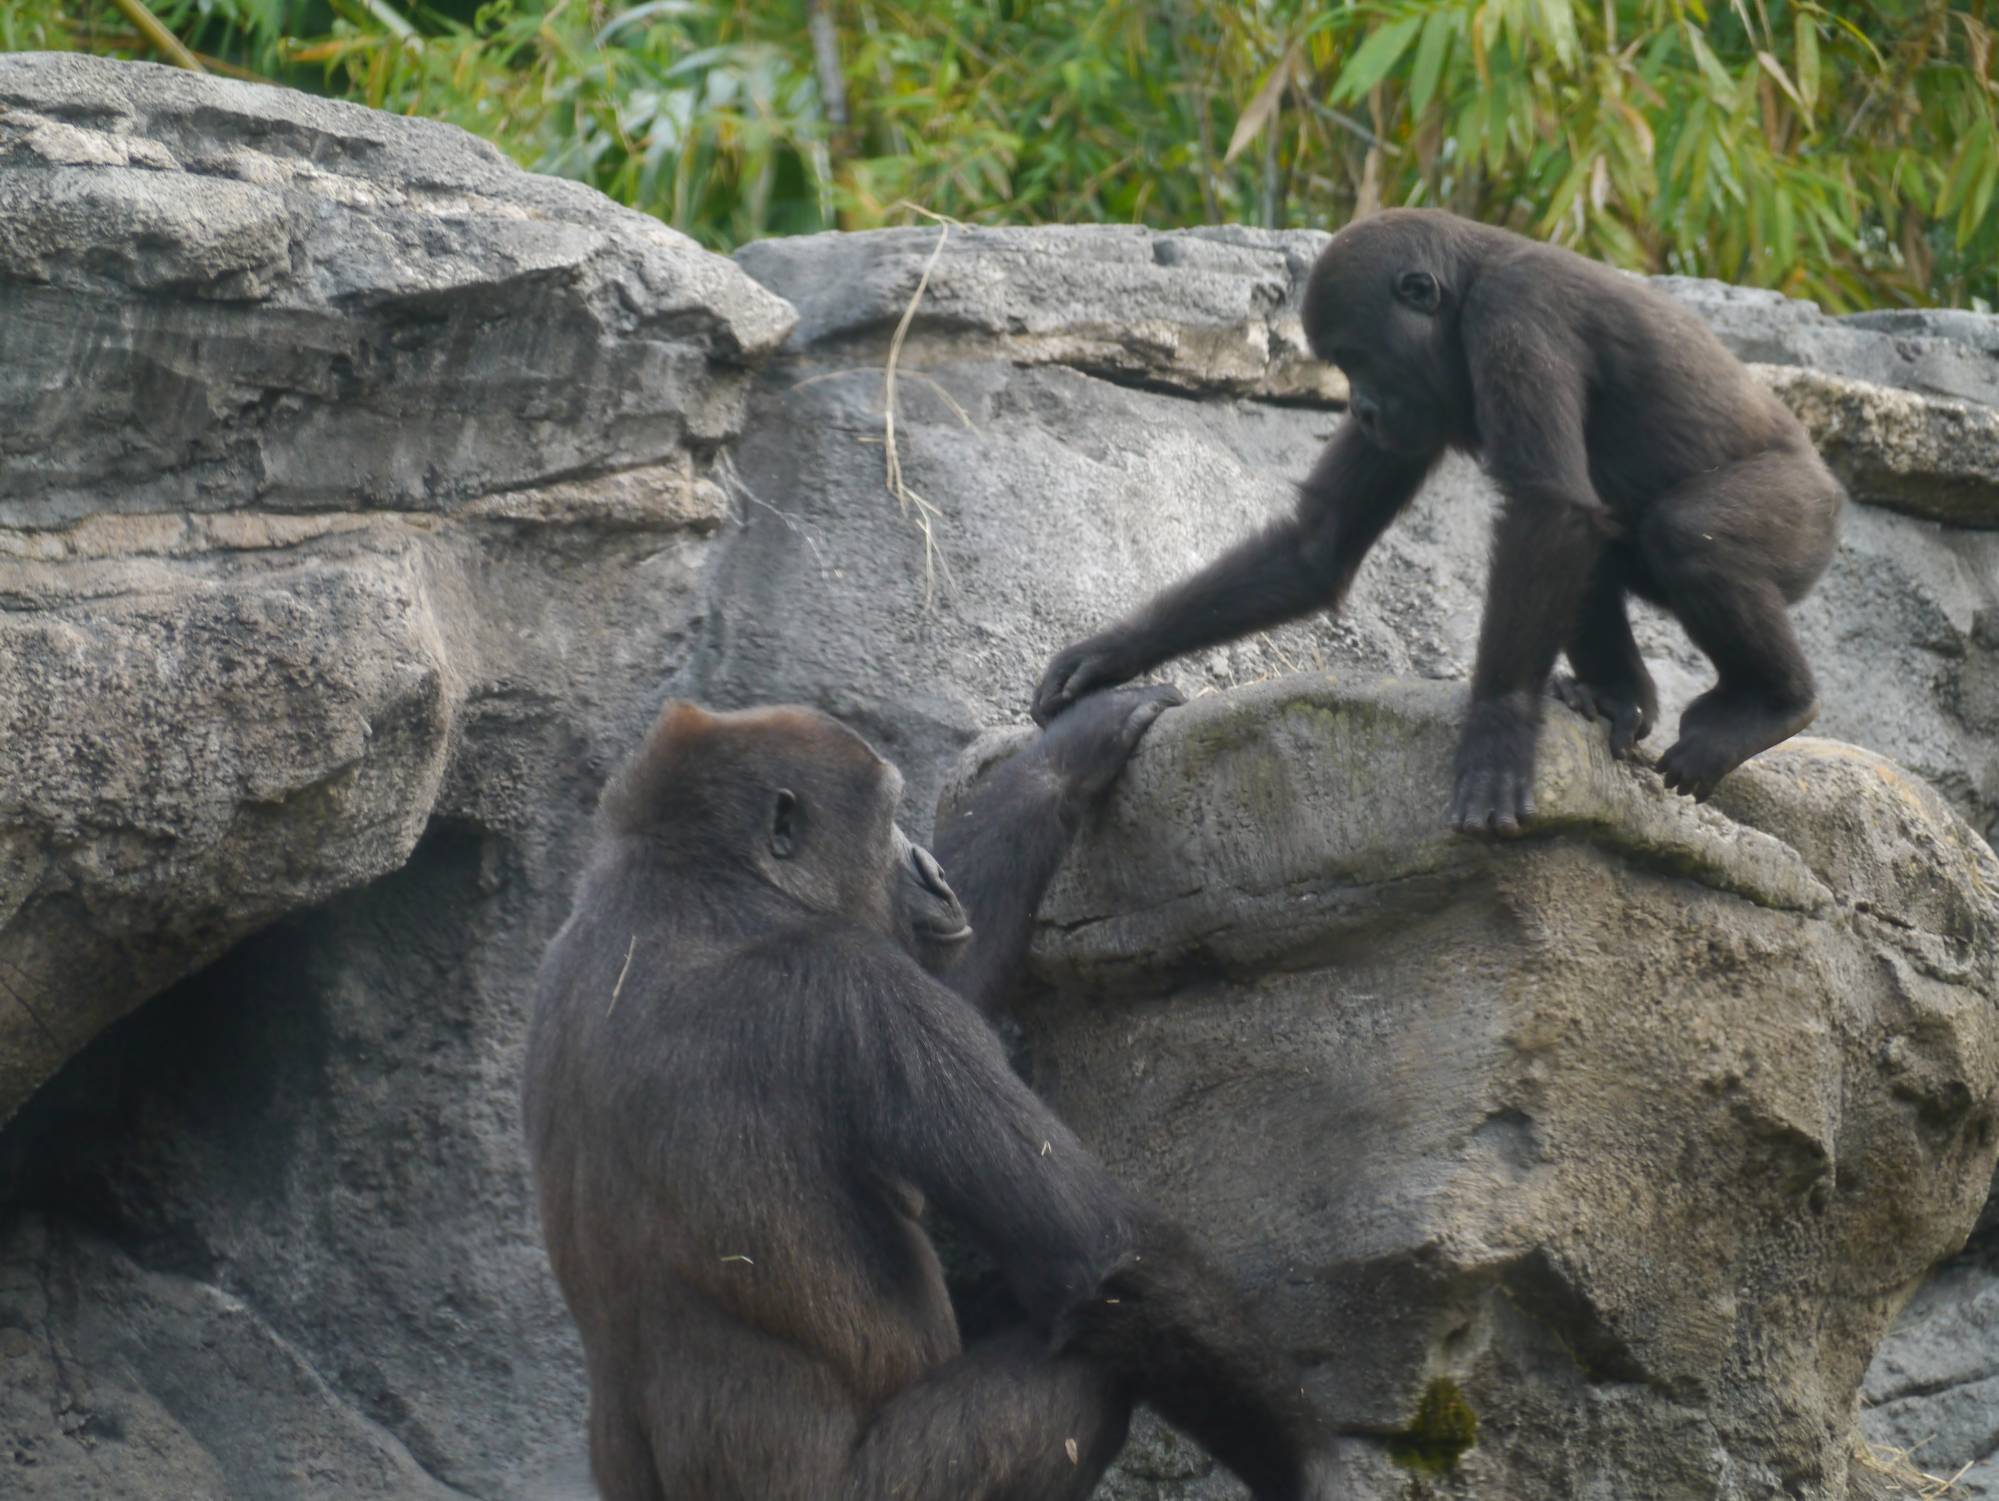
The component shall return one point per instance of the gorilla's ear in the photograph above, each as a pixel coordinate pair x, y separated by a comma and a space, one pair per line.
786, 824
1419, 290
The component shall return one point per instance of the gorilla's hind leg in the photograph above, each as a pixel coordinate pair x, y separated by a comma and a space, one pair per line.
1005, 1421
1610, 681
1728, 572
621, 1460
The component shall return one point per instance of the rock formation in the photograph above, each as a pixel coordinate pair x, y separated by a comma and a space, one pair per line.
1594, 1164
357, 495
360, 498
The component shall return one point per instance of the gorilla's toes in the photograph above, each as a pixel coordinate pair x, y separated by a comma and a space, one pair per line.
1694, 764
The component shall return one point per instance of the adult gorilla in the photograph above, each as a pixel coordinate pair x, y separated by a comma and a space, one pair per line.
1635, 454
745, 1085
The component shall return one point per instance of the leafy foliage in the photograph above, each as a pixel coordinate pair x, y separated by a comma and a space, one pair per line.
1846, 150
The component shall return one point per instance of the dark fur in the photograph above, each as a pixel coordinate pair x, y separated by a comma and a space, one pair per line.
743, 1088
1635, 456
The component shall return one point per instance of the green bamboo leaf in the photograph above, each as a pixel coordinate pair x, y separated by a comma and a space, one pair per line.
1808, 60
1484, 34
1768, 62
1972, 217
1430, 54
1710, 65
1963, 173
1263, 106
1689, 142
1861, 37
1724, 170
1563, 199
1903, 182
1623, 244
1468, 130
1559, 20
1375, 58
1498, 111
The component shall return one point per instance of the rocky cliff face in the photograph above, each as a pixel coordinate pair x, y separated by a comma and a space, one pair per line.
357, 503
361, 496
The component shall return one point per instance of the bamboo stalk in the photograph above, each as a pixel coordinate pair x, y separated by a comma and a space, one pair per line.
157, 36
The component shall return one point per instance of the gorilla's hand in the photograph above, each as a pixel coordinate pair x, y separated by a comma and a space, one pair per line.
1088, 745
1495, 767
1103, 661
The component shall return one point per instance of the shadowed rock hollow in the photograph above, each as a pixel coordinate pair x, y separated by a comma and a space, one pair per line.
360, 498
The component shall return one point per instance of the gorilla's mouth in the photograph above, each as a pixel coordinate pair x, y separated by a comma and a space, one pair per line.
939, 935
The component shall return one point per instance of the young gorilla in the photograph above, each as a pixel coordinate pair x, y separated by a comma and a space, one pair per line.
743, 1087
1635, 455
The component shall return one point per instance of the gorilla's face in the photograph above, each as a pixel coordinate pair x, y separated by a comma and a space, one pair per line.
1390, 401
1379, 307
833, 841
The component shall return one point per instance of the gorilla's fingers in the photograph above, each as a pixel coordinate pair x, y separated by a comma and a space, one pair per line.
1522, 803
1074, 671
1627, 729
1492, 802
1575, 694
1153, 701
1473, 802
1051, 694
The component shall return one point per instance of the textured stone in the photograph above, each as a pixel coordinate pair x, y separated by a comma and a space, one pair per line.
191, 755
356, 495
1933, 1391
1954, 355
218, 1404
1212, 310
1634, 1133
216, 295
1932, 458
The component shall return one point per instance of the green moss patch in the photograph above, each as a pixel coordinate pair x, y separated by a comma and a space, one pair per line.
1444, 1427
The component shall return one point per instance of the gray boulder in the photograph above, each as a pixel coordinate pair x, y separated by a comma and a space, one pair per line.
306, 305
1932, 1394
356, 490
266, 361
1920, 454
1954, 355
1593, 1164
216, 1402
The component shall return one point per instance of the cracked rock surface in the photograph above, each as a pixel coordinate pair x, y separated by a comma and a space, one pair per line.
356, 490
362, 496
1628, 1137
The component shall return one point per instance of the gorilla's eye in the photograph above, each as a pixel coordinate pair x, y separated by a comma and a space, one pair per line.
787, 821
1419, 290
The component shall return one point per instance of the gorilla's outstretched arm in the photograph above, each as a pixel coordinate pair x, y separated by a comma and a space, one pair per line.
1004, 842
1303, 563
